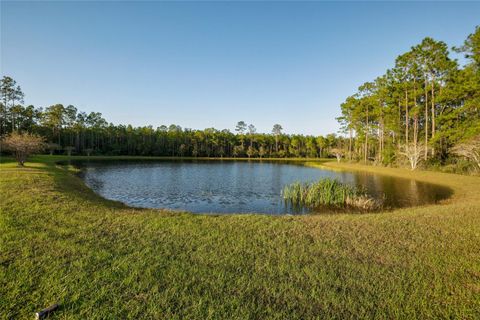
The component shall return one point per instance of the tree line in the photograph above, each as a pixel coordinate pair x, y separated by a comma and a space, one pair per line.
70, 131
419, 110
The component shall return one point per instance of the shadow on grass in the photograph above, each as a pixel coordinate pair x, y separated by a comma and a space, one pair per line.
72, 186
7, 160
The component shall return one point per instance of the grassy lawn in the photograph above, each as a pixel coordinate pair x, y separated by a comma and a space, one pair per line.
99, 259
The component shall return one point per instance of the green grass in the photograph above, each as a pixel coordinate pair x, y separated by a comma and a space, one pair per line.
99, 259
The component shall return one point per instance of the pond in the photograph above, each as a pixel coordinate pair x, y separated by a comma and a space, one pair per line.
215, 186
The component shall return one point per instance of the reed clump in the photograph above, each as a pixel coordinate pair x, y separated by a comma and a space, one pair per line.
328, 193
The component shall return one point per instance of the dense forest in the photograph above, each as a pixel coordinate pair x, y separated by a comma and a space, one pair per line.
72, 132
426, 109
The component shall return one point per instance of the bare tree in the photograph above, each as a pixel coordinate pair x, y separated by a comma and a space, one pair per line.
68, 150
470, 150
251, 152
262, 151
22, 145
338, 153
414, 152
52, 147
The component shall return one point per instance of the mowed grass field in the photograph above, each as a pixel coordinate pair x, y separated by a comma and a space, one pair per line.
61, 243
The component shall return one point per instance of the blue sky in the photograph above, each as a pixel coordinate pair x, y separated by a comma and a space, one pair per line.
211, 64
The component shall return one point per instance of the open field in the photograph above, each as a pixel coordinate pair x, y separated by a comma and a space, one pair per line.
59, 242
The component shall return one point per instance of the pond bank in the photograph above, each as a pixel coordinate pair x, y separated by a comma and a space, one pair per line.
465, 187
232, 187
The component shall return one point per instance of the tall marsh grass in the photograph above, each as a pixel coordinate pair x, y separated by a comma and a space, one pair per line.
328, 193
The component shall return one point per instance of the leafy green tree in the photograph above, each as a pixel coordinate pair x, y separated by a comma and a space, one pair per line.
11, 95
251, 132
471, 48
277, 131
241, 128
54, 118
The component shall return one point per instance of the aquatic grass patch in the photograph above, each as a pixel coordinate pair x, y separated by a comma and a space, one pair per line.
329, 192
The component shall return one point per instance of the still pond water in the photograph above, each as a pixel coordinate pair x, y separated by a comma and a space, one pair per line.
234, 186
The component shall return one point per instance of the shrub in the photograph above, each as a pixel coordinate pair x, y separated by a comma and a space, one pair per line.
22, 145
470, 150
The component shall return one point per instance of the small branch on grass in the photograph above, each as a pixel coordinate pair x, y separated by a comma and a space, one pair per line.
45, 312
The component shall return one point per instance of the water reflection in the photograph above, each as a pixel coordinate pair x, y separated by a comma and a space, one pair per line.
234, 186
